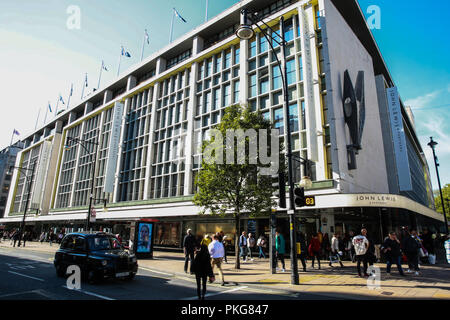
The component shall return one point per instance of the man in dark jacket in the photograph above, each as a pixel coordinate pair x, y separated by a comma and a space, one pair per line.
303, 249
201, 266
391, 248
411, 248
188, 248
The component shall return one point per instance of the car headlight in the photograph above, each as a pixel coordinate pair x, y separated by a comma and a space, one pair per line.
104, 262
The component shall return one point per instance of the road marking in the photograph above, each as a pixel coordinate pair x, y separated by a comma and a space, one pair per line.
24, 275
216, 293
166, 274
90, 293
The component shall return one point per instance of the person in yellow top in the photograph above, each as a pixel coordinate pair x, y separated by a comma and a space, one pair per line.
320, 236
206, 240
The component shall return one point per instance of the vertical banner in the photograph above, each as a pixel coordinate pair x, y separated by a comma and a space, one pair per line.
114, 141
41, 171
309, 86
399, 140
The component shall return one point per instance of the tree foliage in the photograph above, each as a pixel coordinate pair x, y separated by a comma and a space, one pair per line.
235, 189
445, 195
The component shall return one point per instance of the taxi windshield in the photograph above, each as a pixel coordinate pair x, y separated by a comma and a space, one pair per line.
104, 243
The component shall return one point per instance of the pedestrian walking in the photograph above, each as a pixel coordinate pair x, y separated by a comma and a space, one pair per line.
280, 249
335, 252
243, 246
370, 254
251, 243
428, 243
447, 248
314, 249
25, 237
206, 240
303, 249
226, 244
15, 237
411, 247
326, 245
352, 252
188, 249
261, 244
361, 245
50, 237
216, 250
202, 268
391, 249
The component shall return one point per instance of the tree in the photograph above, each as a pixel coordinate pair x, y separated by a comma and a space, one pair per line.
237, 188
438, 202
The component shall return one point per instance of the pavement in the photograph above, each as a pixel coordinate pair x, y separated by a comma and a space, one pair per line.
341, 283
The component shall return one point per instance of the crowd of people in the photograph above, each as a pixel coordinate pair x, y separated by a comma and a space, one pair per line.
46, 236
408, 247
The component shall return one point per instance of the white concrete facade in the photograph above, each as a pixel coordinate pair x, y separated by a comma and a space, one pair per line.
341, 49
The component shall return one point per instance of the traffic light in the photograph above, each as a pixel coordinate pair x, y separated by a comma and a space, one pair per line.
279, 182
299, 194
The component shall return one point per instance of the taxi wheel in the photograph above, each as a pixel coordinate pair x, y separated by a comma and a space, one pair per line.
131, 276
92, 277
60, 271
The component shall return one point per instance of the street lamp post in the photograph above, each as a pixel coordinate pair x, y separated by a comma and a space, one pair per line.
28, 196
245, 31
91, 196
432, 145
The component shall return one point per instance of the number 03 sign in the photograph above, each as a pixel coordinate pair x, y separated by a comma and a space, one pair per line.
310, 201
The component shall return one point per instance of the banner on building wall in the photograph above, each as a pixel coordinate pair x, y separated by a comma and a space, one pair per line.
399, 140
41, 174
309, 87
113, 153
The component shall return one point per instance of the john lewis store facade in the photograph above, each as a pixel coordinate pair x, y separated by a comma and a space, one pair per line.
150, 122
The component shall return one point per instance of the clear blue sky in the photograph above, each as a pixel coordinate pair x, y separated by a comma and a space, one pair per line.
40, 57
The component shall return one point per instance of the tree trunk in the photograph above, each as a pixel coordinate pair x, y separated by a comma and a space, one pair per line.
236, 243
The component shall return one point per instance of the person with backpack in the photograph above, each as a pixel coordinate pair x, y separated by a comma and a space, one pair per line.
391, 249
261, 244
361, 245
314, 249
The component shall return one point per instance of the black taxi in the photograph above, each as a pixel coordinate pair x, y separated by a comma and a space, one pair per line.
99, 255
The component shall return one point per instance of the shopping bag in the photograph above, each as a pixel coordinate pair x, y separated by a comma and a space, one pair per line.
432, 259
423, 253
334, 258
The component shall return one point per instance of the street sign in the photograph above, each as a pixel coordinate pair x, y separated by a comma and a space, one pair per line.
310, 201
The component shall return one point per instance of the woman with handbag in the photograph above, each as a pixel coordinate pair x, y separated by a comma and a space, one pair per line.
202, 268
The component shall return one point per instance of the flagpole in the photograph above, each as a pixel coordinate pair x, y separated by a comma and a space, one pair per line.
84, 84
99, 78
12, 138
45, 119
206, 16
171, 26
37, 120
57, 104
70, 94
120, 61
143, 46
